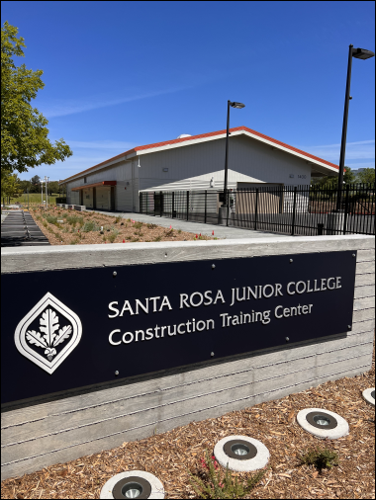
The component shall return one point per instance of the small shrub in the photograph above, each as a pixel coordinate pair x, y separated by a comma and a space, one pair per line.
75, 242
138, 225
151, 226
212, 482
170, 232
90, 225
51, 219
320, 458
179, 231
135, 239
117, 219
158, 238
112, 236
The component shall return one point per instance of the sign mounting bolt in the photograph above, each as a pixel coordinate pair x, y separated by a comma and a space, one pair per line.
349, 327
291, 260
212, 354
213, 266
354, 255
116, 372
114, 273
287, 339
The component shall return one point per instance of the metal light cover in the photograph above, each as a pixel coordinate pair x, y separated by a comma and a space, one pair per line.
362, 53
321, 420
237, 105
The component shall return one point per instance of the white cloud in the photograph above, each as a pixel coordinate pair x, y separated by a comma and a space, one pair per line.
64, 107
360, 150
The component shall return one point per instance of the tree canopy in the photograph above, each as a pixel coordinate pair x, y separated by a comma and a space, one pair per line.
332, 182
24, 141
366, 175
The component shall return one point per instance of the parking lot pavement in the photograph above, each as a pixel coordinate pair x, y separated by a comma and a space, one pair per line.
221, 232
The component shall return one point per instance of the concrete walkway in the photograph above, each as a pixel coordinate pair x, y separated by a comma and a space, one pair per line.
221, 232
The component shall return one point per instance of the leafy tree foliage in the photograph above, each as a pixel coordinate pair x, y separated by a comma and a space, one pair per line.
332, 182
10, 186
367, 175
24, 141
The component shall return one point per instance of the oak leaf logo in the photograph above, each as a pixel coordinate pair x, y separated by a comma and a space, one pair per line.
49, 339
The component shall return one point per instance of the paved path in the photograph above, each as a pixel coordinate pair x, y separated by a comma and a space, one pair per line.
221, 232
20, 229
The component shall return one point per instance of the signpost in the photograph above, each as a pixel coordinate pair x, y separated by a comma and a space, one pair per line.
92, 326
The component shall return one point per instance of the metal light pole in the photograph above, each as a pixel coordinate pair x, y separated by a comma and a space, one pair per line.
46, 179
237, 105
359, 54
41, 191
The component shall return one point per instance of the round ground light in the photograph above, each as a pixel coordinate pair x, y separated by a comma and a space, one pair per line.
241, 453
133, 484
323, 423
369, 395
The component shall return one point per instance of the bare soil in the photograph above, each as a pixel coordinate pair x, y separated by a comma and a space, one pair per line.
115, 229
172, 455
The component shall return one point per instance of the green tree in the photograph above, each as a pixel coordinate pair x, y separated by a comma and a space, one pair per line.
332, 182
10, 187
24, 141
35, 184
367, 175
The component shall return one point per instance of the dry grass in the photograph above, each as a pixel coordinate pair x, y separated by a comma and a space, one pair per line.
170, 455
115, 229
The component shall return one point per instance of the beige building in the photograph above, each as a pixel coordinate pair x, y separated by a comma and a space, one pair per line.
191, 163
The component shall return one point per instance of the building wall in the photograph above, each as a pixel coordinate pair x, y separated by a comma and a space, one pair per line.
75, 425
193, 167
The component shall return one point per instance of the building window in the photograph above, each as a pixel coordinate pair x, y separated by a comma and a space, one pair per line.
85, 180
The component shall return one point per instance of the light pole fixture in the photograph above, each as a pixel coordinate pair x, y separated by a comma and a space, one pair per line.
236, 105
358, 54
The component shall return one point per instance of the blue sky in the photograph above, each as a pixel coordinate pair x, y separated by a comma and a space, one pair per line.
123, 74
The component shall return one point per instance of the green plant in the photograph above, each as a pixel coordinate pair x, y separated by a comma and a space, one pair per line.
75, 242
151, 226
90, 225
112, 236
179, 231
169, 232
138, 225
135, 239
117, 219
321, 458
158, 238
212, 482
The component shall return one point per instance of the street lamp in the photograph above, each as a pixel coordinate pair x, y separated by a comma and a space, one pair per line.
237, 105
359, 54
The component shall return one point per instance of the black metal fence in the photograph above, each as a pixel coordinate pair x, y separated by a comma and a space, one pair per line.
295, 210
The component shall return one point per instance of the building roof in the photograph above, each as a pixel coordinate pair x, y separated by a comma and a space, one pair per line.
194, 139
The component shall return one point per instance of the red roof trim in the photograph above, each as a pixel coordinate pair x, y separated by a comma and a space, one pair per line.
96, 184
203, 136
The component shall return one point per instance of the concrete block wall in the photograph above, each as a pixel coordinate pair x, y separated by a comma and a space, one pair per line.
57, 431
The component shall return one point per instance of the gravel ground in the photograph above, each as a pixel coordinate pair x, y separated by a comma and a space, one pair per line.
115, 229
170, 456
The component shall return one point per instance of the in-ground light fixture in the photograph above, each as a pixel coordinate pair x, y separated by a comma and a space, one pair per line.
133, 484
241, 453
323, 423
369, 396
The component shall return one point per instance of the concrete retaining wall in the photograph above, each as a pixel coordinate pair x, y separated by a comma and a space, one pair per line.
57, 431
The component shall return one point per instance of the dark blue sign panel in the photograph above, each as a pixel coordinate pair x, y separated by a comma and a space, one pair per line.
73, 328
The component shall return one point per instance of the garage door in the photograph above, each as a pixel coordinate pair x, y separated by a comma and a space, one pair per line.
104, 198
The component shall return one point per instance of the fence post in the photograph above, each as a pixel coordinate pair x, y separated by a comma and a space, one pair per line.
160, 204
346, 208
294, 212
206, 201
173, 203
256, 207
187, 205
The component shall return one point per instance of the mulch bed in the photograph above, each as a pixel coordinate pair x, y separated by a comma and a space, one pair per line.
171, 455
128, 230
